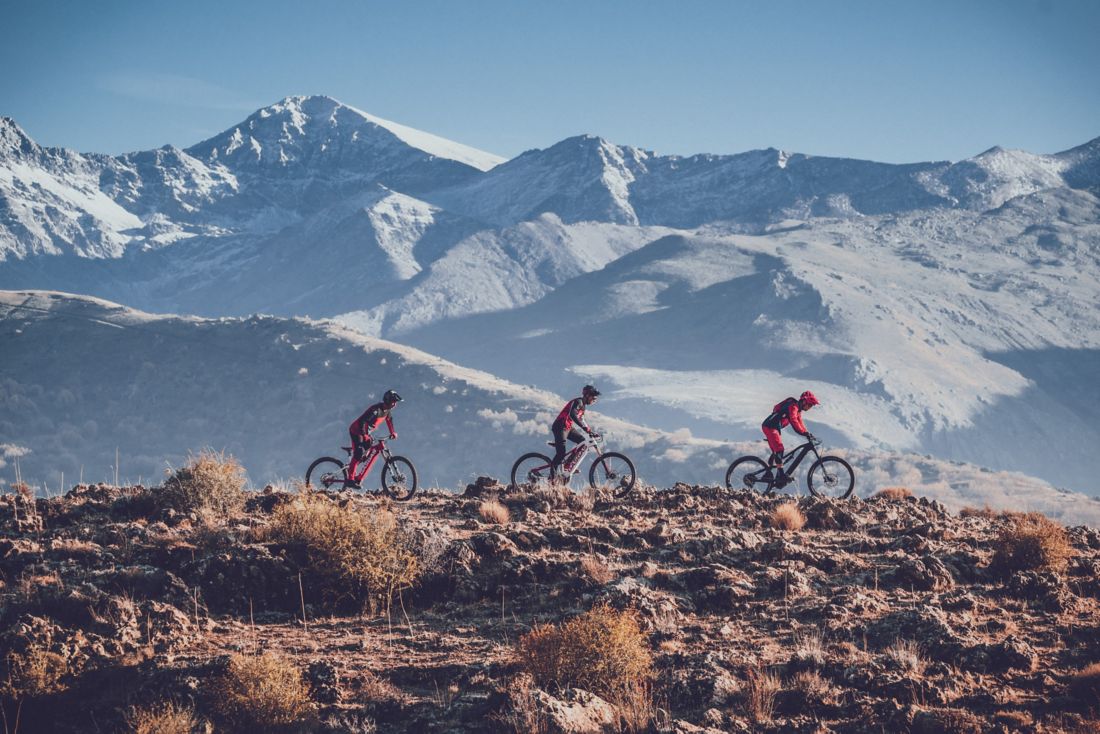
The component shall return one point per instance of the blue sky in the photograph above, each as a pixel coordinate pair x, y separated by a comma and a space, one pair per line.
890, 81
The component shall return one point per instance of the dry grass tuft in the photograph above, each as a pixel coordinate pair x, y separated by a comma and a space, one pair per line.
1031, 542
1085, 685
349, 553
265, 693
167, 717
34, 672
894, 493
946, 721
597, 569
210, 484
812, 688
761, 687
603, 651
908, 657
492, 511
787, 516
985, 512
809, 647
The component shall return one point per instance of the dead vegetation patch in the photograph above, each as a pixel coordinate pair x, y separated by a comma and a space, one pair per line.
896, 494
492, 511
347, 553
787, 516
262, 693
166, 717
1031, 542
210, 484
603, 651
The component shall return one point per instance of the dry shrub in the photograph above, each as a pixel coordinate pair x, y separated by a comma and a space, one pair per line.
34, 672
167, 717
210, 484
264, 693
492, 511
894, 493
1031, 542
349, 553
809, 647
1085, 685
787, 516
1014, 720
811, 688
985, 512
908, 657
760, 689
597, 569
603, 651
522, 714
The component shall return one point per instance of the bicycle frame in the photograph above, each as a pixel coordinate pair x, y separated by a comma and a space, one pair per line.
376, 449
790, 465
571, 464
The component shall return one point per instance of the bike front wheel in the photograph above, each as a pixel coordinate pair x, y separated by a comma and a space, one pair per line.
399, 478
615, 471
831, 476
749, 473
325, 473
533, 469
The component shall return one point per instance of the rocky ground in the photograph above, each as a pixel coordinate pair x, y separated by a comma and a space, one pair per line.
886, 614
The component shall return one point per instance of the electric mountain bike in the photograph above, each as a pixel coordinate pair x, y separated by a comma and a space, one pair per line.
610, 468
398, 473
829, 476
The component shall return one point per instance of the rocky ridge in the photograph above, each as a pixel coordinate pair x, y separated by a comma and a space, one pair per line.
880, 614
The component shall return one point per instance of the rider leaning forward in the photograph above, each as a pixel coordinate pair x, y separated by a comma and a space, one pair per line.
362, 426
572, 414
786, 412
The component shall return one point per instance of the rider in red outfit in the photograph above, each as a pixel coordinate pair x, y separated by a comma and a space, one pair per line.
572, 414
364, 424
786, 413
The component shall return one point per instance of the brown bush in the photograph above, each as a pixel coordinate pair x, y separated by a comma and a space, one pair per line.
492, 511
603, 651
597, 569
166, 717
264, 693
34, 672
1031, 542
210, 484
1085, 685
908, 657
348, 553
787, 516
894, 493
811, 689
760, 689
986, 512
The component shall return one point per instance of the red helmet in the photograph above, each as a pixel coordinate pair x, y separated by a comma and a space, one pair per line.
809, 398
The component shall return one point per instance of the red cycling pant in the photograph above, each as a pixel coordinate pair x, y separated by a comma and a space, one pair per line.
774, 441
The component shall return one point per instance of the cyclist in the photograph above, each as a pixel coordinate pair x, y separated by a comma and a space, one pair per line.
572, 414
364, 424
786, 412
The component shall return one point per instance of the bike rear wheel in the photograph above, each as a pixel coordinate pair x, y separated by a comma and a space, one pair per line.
533, 469
749, 472
831, 476
399, 478
326, 473
615, 471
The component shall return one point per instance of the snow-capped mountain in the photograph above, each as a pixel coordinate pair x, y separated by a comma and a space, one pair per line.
947, 307
277, 393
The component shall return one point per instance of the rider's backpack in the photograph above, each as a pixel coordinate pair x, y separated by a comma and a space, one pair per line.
779, 412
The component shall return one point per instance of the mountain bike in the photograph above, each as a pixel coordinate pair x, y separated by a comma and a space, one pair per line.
829, 476
398, 473
610, 468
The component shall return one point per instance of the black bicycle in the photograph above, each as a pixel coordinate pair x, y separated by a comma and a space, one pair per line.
829, 476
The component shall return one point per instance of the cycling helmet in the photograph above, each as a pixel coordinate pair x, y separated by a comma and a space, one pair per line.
589, 390
391, 397
810, 398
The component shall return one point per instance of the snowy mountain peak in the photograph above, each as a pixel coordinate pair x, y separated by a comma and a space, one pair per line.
13, 141
305, 126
